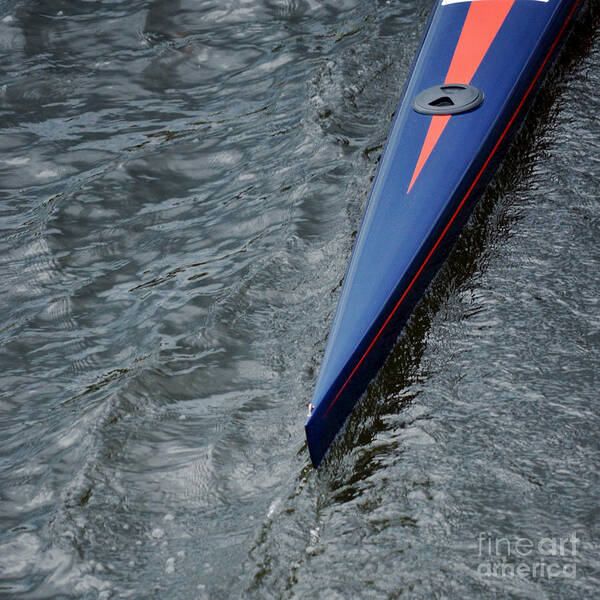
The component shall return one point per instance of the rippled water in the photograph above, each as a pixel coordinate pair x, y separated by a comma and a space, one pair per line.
181, 183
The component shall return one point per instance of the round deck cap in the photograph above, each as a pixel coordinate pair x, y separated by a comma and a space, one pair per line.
448, 99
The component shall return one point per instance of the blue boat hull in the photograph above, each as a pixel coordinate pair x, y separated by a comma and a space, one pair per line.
431, 174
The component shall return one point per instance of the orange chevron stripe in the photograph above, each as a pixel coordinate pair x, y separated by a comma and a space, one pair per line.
481, 26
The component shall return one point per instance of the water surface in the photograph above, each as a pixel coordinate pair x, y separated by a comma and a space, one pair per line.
181, 184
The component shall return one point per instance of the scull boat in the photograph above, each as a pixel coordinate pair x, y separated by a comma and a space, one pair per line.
477, 66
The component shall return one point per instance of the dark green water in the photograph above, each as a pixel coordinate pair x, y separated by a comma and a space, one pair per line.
180, 187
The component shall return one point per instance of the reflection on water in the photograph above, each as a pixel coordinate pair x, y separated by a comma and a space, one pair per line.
181, 184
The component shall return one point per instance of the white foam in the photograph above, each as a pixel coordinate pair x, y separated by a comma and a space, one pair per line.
170, 567
46, 174
18, 160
